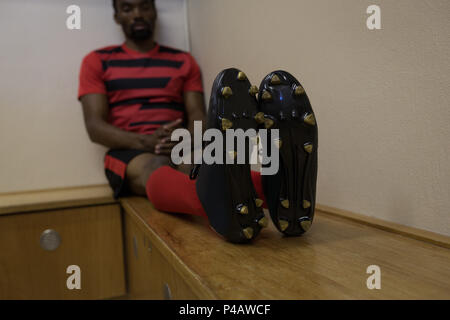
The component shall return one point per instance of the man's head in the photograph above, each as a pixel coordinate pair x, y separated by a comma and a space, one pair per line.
137, 18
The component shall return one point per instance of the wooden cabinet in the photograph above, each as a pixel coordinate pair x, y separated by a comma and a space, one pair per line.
90, 237
133, 251
150, 275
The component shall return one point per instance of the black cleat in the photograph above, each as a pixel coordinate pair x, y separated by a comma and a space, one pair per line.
291, 193
226, 190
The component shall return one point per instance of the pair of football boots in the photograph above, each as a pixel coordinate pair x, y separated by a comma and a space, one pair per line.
226, 191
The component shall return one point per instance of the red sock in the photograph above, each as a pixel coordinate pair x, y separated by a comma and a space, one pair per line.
257, 183
170, 190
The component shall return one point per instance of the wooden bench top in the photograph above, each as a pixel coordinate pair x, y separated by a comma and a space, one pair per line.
329, 262
55, 199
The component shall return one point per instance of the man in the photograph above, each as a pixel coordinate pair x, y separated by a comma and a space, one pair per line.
134, 96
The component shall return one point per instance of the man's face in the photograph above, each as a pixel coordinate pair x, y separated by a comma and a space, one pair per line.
137, 18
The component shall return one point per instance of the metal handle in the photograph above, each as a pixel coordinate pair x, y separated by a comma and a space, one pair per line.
135, 248
167, 293
50, 240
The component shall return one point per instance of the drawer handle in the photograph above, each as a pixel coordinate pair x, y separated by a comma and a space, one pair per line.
167, 293
147, 244
50, 240
135, 248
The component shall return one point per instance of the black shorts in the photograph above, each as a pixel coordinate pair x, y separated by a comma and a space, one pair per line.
116, 163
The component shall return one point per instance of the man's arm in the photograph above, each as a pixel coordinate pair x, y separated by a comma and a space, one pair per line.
195, 109
95, 110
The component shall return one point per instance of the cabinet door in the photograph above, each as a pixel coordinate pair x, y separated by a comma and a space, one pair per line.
90, 238
150, 276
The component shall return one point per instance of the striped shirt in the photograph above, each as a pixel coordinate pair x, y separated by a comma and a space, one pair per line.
144, 90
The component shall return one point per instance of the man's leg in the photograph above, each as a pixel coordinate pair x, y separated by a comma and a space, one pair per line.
169, 190
140, 169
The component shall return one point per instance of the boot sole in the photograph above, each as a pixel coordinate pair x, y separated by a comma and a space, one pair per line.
291, 193
226, 190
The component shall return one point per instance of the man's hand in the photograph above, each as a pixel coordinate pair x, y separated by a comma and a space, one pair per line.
96, 109
159, 142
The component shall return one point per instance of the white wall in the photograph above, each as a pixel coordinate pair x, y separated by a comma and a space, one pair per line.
381, 97
43, 142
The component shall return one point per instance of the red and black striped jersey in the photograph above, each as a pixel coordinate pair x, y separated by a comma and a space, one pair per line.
144, 90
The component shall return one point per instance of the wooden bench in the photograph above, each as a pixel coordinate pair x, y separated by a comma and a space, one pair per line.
329, 262
129, 250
